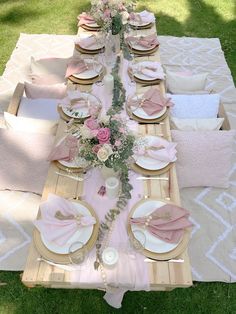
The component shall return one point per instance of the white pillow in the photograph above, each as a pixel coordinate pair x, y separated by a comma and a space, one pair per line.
40, 108
196, 124
30, 125
195, 106
177, 81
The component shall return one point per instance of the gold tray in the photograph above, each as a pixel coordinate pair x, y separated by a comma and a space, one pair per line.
147, 172
64, 258
160, 256
145, 121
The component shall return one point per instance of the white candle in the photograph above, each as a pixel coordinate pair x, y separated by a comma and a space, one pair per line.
112, 187
108, 83
110, 257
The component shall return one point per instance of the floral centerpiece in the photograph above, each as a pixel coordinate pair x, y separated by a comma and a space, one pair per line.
106, 141
111, 14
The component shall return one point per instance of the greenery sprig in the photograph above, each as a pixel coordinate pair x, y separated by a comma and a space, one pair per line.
121, 166
119, 95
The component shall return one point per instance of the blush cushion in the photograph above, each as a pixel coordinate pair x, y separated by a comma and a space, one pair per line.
57, 91
204, 157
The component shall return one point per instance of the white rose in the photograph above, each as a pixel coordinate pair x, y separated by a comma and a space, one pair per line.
125, 16
104, 152
86, 133
105, 119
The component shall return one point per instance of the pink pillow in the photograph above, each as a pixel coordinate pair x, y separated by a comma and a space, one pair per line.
203, 157
57, 91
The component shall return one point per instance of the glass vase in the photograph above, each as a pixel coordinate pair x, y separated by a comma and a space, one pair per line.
112, 48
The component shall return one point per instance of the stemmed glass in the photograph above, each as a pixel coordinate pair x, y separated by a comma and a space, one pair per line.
98, 60
137, 242
77, 252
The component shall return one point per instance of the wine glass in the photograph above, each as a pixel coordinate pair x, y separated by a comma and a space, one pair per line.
97, 69
77, 252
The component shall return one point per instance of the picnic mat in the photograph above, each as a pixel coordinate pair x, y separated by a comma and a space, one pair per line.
212, 247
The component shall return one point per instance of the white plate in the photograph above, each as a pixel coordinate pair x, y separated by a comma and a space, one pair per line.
149, 163
82, 235
82, 112
144, 77
90, 73
140, 113
99, 44
153, 244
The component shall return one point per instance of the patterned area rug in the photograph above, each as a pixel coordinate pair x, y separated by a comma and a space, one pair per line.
213, 211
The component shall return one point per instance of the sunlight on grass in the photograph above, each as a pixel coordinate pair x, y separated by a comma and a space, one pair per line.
226, 9
176, 9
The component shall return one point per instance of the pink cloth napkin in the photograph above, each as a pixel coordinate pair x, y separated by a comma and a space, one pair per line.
60, 230
152, 101
162, 150
167, 222
150, 69
77, 66
85, 18
144, 41
65, 149
86, 42
142, 17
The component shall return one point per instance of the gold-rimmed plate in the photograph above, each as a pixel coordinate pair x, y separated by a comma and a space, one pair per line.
154, 247
47, 251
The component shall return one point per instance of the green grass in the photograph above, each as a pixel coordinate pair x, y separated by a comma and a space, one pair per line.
196, 18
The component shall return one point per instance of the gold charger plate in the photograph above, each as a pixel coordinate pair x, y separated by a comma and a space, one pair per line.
69, 169
141, 81
143, 53
89, 28
64, 258
89, 81
148, 172
67, 118
145, 121
160, 256
85, 51
140, 27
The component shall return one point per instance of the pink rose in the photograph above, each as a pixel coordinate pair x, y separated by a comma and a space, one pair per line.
122, 130
96, 148
117, 143
107, 13
103, 135
91, 123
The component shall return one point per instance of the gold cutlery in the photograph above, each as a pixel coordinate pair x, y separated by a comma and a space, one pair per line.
70, 176
153, 178
168, 261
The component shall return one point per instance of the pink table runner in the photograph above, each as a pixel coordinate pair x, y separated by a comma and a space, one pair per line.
131, 273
